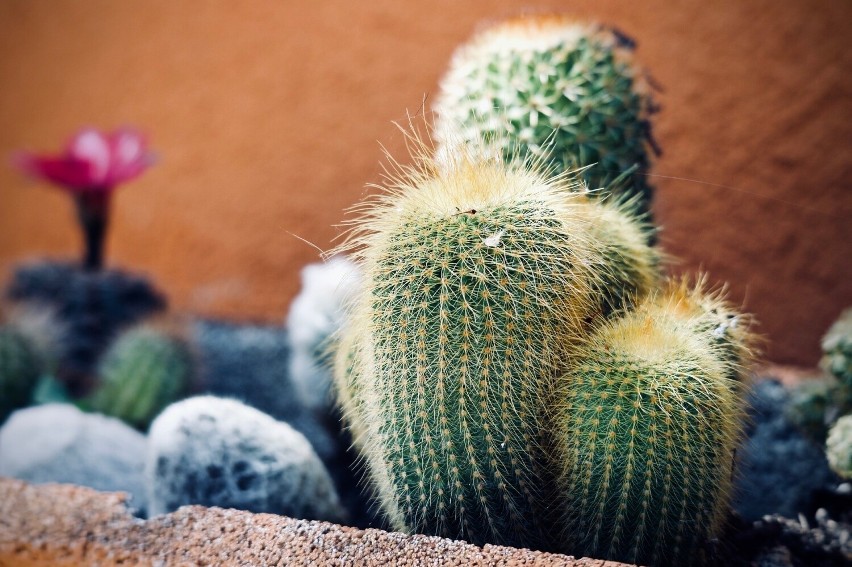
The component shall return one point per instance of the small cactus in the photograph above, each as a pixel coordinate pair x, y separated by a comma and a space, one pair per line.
563, 91
315, 317
815, 404
144, 370
838, 447
650, 419
837, 349
477, 276
20, 369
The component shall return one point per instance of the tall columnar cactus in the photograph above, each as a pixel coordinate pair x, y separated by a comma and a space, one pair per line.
477, 277
649, 424
559, 90
144, 370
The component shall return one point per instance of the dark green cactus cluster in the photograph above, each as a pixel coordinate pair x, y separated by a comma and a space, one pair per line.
513, 370
816, 404
146, 368
561, 91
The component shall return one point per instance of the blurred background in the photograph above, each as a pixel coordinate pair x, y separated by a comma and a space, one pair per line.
268, 118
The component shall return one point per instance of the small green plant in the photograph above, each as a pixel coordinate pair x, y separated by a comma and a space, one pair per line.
838, 447
816, 404
563, 91
837, 349
144, 370
478, 275
650, 419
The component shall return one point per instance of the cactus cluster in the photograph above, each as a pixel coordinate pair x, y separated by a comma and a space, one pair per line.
146, 368
478, 277
562, 91
816, 404
513, 369
512, 364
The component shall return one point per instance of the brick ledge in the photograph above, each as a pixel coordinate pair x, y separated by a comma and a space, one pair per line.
62, 525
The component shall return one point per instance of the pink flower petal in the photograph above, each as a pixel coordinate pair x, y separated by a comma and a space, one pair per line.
91, 146
129, 157
72, 174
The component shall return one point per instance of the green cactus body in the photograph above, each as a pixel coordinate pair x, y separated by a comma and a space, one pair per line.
477, 277
141, 373
20, 368
837, 349
562, 91
838, 447
649, 424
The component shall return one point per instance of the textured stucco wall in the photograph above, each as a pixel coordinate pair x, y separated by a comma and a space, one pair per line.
268, 116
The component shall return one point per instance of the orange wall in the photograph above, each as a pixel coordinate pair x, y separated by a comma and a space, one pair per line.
267, 116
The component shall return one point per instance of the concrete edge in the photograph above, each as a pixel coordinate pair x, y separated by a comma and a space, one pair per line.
59, 525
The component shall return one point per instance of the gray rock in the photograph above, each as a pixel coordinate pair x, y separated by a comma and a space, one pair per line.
779, 469
59, 443
218, 452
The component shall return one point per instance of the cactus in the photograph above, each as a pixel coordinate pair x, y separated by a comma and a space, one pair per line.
144, 370
477, 275
91, 306
315, 316
565, 92
648, 426
838, 447
20, 369
837, 349
816, 404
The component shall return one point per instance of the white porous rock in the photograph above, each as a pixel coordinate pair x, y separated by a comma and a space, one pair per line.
60, 443
219, 452
316, 315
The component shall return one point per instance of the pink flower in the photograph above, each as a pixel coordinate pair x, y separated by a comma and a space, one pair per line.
93, 161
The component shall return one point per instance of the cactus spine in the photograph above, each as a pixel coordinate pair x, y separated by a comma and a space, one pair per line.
144, 370
478, 275
649, 424
563, 91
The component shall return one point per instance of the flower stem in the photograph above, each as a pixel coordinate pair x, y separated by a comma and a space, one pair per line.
93, 214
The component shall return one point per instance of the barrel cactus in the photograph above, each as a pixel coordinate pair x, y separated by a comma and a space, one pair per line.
565, 92
650, 418
477, 275
147, 368
20, 369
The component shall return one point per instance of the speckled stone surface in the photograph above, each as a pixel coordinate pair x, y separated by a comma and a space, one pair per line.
62, 525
